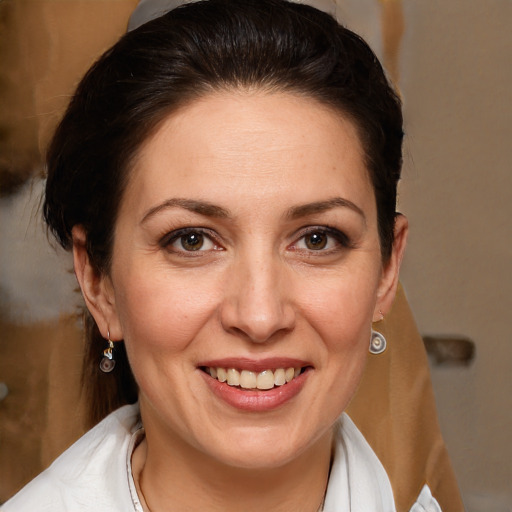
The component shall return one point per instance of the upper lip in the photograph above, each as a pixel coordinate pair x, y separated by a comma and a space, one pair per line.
255, 365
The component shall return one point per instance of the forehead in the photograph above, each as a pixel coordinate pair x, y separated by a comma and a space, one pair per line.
253, 143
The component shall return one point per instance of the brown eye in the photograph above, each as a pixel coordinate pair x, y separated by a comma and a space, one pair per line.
192, 241
316, 241
322, 240
189, 240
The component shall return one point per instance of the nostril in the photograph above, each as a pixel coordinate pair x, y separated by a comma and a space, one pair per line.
260, 336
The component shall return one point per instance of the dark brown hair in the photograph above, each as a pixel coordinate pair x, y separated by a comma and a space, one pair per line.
168, 62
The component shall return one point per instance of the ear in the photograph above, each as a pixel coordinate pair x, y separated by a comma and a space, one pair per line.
389, 279
96, 287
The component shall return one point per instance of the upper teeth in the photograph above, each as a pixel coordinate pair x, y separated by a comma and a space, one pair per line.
246, 379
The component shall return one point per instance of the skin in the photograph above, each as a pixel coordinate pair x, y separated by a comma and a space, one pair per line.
276, 168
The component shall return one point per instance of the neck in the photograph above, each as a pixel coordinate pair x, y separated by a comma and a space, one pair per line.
175, 481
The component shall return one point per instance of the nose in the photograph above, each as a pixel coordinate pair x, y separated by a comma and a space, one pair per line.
257, 302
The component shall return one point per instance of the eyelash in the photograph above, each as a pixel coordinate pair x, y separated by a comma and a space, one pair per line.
341, 239
168, 240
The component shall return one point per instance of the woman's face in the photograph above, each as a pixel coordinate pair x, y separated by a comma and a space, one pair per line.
247, 245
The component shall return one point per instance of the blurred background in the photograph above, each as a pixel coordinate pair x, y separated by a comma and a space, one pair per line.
454, 69
451, 61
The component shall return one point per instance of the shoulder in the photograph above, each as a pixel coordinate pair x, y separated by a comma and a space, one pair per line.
358, 480
90, 475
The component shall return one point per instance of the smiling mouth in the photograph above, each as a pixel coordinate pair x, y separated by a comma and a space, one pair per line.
248, 380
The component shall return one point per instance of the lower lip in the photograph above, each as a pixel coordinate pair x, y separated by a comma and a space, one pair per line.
257, 400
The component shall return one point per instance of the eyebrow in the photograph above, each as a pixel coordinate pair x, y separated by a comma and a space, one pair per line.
200, 207
322, 206
212, 210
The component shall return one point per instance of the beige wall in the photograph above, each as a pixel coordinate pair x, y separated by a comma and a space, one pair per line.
456, 80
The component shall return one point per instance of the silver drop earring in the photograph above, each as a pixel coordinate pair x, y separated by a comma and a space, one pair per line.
377, 343
108, 362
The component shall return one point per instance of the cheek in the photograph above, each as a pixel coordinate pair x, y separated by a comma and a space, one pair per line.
341, 308
343, 321
162, 314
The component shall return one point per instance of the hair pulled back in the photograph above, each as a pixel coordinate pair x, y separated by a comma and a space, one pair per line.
193, 50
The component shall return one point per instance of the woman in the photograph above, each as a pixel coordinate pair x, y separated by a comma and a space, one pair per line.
226, 179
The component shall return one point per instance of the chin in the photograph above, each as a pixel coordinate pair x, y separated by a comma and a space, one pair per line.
265, 448
255, 460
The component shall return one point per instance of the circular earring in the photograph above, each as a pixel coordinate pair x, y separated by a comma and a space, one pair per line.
108, 362
377, 343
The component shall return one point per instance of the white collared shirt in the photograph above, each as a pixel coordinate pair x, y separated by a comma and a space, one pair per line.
94, 474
